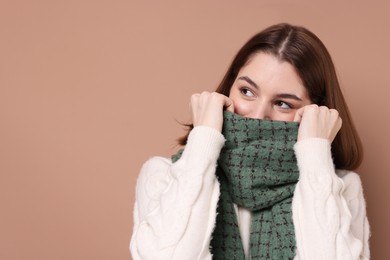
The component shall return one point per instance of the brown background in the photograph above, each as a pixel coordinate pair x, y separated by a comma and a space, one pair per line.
90, 89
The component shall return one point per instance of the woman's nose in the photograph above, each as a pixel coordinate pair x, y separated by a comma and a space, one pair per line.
261, 111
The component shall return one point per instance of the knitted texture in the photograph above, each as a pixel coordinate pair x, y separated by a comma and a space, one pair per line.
257, 170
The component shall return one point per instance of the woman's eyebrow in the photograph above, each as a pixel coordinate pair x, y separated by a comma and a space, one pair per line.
251, 82
282, 95
289, 96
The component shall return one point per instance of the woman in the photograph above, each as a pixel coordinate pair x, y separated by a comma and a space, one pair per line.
269, 178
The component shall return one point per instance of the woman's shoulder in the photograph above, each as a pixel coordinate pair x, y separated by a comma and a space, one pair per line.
154, 175
352, 184
155, 167
155, 163
349, 177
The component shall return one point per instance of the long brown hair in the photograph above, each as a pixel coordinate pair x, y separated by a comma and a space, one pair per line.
313, 63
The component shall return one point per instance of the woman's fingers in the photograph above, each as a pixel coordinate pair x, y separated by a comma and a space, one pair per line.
298, 115
316, 121
229, 104
207, 109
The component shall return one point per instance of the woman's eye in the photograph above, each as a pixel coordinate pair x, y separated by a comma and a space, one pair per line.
283, 105
247, 92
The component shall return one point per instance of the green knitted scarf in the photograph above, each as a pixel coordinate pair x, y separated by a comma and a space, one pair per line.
257, 170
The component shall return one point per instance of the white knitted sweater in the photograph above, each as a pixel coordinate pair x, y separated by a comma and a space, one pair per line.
176, 204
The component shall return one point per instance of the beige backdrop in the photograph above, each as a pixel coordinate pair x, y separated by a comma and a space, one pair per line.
90, 89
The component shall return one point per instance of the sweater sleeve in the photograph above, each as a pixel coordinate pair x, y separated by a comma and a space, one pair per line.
175, 208
329, 210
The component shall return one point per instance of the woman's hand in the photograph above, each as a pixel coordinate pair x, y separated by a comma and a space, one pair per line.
316, 121
207, 109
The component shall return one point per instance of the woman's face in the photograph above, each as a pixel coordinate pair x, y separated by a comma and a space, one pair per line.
267, 88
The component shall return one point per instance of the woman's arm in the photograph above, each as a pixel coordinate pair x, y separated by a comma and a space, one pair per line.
329, 211
175, 207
